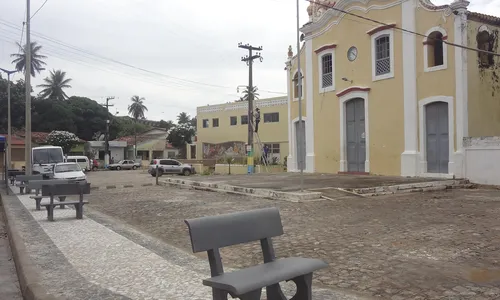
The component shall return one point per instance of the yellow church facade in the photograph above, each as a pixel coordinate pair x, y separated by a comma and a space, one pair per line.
394, 92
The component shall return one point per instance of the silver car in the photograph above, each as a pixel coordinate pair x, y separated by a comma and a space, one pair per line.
169, 166
124, 165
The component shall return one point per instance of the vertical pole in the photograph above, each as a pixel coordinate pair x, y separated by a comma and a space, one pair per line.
9, 125
301, 125
250, 113
27, 53
156, 174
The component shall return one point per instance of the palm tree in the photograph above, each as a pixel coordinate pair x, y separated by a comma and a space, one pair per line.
246, 94
54, 85
36, 59
137, 110
183, 118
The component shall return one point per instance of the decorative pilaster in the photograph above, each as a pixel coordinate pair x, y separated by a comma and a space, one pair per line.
459, 7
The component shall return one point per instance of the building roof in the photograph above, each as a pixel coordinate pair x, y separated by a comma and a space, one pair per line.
475, 16
15, 140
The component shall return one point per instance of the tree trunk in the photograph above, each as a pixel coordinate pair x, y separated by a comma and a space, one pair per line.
135, 140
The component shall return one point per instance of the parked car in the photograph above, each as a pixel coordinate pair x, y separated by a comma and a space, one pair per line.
124, 165
69, 171
169, 166
83, 161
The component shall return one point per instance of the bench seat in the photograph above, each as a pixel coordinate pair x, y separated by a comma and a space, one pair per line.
263, 275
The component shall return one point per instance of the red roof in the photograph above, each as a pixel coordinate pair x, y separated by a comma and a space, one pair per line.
15, 140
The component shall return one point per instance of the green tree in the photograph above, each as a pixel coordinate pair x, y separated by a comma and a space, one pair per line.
54, 85
17, 99
137, 110
65, 140
166, 124
128, 127
181, 135
37, 62
246, 94
183, 118
49, 115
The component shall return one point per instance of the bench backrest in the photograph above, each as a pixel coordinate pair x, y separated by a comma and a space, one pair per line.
66, 189
215, 232
14, 172
37, 184
25, 178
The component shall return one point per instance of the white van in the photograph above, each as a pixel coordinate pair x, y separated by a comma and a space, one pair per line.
82, 161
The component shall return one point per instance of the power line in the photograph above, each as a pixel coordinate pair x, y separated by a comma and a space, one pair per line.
403, 29
38, 9
8, 24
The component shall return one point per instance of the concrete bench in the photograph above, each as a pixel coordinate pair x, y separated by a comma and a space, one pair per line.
12, 173
65, 189
214, 232
23, 181
37, 186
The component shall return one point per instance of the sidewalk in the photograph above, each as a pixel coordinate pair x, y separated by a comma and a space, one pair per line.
104, 259
9, 285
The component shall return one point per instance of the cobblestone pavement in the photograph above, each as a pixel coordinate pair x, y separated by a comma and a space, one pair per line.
9, 284
123, 177
440, 245
114, 262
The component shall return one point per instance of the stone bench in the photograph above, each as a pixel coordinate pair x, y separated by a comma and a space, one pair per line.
214, 232
23, 181
37, 186
65, 189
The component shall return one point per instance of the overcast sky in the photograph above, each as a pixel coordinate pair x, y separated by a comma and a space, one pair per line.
182, 40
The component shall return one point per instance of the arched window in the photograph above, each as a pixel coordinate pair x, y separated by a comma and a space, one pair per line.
435, 50
485, 41
296, 90
435, 53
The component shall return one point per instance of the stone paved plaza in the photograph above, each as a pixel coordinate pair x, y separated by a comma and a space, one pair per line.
412, 246
133, 243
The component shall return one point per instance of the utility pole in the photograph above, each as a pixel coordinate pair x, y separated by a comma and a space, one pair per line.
106, 136
9, 121
249, 60
27, 74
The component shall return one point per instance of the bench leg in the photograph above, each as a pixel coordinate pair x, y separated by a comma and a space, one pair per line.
79, 210
253, 295
274, 292
50, 212
62, 199
37, 201
21, 190
304, 287
219, 295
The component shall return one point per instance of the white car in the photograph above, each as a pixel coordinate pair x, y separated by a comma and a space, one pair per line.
69, 171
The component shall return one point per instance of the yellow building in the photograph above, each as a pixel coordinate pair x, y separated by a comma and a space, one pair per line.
382, 100
223, 129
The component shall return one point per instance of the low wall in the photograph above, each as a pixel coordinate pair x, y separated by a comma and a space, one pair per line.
243, 169
482, 159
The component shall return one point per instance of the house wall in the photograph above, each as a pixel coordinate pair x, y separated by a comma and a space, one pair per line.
484, 87
271, 132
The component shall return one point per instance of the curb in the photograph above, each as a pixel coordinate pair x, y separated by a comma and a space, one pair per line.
262, 193
27, 272
121, 186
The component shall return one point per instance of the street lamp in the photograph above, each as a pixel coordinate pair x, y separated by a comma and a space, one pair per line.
9, 122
